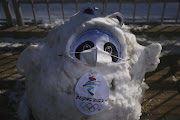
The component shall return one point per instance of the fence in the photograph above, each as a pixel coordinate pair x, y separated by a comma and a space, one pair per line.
104, 3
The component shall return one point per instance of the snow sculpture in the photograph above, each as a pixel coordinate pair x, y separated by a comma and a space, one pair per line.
87, 68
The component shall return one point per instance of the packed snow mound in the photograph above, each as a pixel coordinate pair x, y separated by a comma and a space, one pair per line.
66, 73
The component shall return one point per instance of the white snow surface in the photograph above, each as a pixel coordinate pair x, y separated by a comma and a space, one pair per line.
15, 43
52, 73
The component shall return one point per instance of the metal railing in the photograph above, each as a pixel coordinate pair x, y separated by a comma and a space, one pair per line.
20, 20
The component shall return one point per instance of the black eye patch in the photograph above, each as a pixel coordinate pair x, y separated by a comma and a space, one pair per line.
83, 46
111, 49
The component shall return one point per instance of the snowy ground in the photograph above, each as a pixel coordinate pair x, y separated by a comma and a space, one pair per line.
15, 43
170, 45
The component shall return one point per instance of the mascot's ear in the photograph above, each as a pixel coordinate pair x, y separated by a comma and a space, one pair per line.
119, 17
89, 9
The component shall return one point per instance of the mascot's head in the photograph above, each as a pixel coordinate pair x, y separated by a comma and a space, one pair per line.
88, 67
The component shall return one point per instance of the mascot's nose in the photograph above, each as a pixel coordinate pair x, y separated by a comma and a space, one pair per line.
95, 55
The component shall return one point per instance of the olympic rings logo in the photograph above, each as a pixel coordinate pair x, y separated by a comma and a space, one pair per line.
89, 107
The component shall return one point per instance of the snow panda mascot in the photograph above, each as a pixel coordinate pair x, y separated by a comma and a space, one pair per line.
88, 68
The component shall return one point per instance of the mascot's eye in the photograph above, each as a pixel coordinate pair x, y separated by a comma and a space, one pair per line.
108, 49
111, 49
84, 46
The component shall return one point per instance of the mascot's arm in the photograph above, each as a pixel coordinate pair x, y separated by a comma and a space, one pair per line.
142, 59
152, 53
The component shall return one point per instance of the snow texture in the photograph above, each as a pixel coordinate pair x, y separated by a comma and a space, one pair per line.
52, 73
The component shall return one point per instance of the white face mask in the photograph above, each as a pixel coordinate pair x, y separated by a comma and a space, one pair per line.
96, 56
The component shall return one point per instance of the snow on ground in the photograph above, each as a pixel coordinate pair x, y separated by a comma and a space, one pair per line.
12, 43
170, 45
